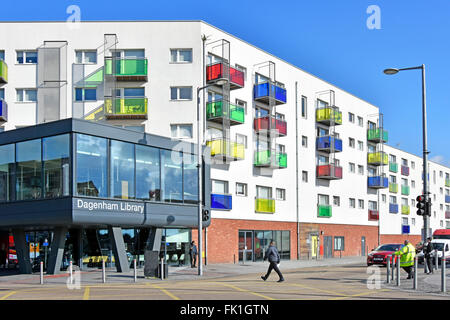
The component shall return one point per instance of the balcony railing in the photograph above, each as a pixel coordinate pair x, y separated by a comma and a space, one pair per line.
377, 182
405, 209
267, 158
278, 127
393, 187
126, 108
447, 182
405, 190
447, 199
377, 135
377, 158
216, 112
135, 69
221, 201
3, 72
404, 170
3, 110
264, 205
324, 211
329, 172
393, 208
216, 71
328, 144
447, 214
226, 149
329, 116
269, 90
374, 215
393, 167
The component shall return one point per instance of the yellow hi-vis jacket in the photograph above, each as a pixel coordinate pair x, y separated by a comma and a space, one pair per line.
407, 254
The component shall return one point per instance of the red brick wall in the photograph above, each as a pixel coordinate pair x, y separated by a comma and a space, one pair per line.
395, 238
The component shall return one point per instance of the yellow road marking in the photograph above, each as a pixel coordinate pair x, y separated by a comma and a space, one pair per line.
244, 290
174, 297
87, 291
317, 289
8, 295
360, 294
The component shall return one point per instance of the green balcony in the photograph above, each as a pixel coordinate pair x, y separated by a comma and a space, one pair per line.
377, 158
393, 167
267, 158
324, 211
126, 108
3, 72
127, 69
263, 205
405, 209
393, 187
329, 116
377, 135
405, 190
447, 182
217, 111
226, 149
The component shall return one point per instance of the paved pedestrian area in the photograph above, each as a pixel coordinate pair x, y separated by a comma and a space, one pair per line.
330, 279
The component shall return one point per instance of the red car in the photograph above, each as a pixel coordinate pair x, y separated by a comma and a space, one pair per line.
379, 255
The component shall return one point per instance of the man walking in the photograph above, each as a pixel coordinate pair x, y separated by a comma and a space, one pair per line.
274, 259
193, 254
427, 255
407, 254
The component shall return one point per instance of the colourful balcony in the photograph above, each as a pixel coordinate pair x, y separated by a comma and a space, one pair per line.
447, 199
3, 72
324, 211
329, 172
405, 209
393, 187
127, 69
393, 208
377, 135
377, 182
3, 111
377, 158
266, 91
221, 201
405, 190
217, 71
217, 111
266, 158
447, 214
329, 116
126, 108
393, 167
228, 150
405, 229
329, 144
404, 170
278, 128
373, 215
263, 205
447, 182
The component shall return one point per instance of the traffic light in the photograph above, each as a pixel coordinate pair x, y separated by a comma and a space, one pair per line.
421, 205
428, 207
205, 216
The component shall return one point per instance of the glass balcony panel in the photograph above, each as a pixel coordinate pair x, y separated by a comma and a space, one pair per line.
405, 229
264, 205
279, 127
393, 208
447, 182
215, 111
127, 68
221, 201
393, 167
405, 209
447, 199
127, 107
215, 72
265, 159
377, 158
393, 187
3, 72
264, 91
405, 190
3, 110
377, 182
329, 171
373, 215
329, 144
226, 149
324, 211
405, 170
377, 135
329, 116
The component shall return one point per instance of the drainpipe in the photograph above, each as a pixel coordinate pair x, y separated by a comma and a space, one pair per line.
296, 171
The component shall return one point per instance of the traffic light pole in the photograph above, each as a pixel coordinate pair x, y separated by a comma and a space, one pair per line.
426, 217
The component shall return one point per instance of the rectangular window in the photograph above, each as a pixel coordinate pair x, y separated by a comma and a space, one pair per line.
180, 55
393, 199
383, 198
323, 199
148, 186
219, 186
404, 221
263, 192
26, 57
304, 142
352, 203
26, 95
339, 243
361, 204
373, 205
86, 56
122, 170
351, 167
241, 189
7, 159
413, 165
351, 117
360, 145
281, 194
360, 170
2, 94
360, 121
56, 156
304, 176
242, 104
336, 201
28, 170
241, 139
171, 176
181, 131
85, 94
190, 179
2, 55
180, 93
351, 142
304, 107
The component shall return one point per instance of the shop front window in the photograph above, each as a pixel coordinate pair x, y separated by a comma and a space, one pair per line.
171, 176
6, 170
122, 170
56, 156
190, 179
29, 170
148, 185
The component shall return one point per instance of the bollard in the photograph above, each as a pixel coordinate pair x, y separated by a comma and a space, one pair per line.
41, 266
443, 262
162, 268
415, 273
70, 272
388, 265
436, 260
398, 271
393, 267
103, 271
135, 270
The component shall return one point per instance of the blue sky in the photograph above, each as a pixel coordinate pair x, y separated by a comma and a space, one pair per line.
327, 38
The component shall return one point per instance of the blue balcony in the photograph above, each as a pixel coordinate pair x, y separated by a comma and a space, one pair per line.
405, 229
329, 144
221, 201
3, 110
393, 208
447, 199
377, 182
261, 92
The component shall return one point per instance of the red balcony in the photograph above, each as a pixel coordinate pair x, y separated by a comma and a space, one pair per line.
329, 172
217, 71
277, 126
373, 215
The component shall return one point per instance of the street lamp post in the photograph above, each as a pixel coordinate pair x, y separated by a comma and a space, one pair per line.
426, 219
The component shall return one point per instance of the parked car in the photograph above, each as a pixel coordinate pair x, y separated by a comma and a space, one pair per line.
380, 254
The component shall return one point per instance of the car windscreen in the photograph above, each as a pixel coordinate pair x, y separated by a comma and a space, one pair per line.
438, 246
388, 247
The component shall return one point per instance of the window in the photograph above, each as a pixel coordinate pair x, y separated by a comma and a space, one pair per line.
360, 204
55, 157
281, 194
130, 54
373, 205
27, 57
351, 117
85, 94
148, 186
86, 56
26, 95
7, 159
404, 162
242, 104
339, 244
180, 93
219, 186
413, 184
336, 201
404, 221
360, 121
383, 198
413, 165
304, 141
360, 170
263, 192
304, 106
351, 167
241, 189
241, 139
392, 158
323, 199
28, 170
351, 142
2, 55
360, 145
393, 199
122, 170
181, 131
413, 221
171, 176
2, 93
180, 55
352, 203
190, 178
304, 176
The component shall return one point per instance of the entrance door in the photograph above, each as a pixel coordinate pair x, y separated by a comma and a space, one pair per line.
327, 246
314, 243
246, 245
363, 246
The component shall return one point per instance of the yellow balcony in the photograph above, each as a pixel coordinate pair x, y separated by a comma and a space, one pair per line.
264, 205
377, 158
226, 149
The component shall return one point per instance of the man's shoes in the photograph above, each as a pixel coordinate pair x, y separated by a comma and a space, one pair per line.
281, 280
264, 278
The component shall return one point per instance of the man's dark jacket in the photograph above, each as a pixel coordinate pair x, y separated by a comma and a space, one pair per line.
272, 254
428, 250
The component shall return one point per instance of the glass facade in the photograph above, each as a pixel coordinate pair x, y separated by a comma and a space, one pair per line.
56, 157
28, 170
122, 169
148, 167
6, 169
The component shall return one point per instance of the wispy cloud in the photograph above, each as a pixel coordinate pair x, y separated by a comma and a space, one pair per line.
440, 159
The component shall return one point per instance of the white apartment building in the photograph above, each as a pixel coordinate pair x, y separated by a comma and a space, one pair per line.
295, 157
